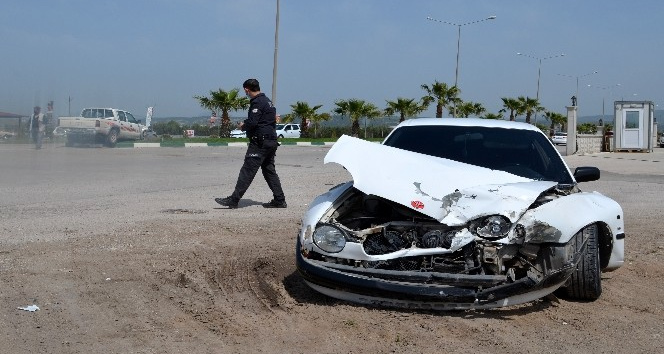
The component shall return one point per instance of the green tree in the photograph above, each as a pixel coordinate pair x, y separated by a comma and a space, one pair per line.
467, 109
442, 94
555, 119
493, 116
170, 128
586, 128
287, 118
512, 105
406, 107
356, 109
528, 106
316, 119
225, 102
303, 111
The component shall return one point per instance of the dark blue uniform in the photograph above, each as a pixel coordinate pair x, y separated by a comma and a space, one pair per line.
260, 127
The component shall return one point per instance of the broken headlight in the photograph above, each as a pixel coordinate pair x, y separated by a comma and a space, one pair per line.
329, 238
492, 227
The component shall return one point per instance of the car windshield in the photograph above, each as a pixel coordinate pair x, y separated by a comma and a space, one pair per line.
524, 153
279, 127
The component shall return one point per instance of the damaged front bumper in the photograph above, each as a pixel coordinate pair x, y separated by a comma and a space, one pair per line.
435, 290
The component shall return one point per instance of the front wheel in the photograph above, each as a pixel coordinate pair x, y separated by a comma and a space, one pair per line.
585, 282
112, 138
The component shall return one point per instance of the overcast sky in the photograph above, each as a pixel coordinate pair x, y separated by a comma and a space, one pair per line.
138, 53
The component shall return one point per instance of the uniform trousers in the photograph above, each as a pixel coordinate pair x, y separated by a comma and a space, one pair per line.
260, 154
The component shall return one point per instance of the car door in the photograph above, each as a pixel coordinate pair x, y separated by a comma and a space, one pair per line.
134, 126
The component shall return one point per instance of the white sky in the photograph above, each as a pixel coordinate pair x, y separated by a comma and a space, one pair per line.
132, 54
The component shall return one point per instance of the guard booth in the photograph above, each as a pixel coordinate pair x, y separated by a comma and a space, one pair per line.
634, 122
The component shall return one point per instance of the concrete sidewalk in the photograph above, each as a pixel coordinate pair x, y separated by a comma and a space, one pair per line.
622, 162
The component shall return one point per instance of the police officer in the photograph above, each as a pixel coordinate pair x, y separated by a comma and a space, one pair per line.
260, 128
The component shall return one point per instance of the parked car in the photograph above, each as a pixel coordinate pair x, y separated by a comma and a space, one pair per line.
100, 125
559, 138
458, 214
290, 130
661, 141
237, 133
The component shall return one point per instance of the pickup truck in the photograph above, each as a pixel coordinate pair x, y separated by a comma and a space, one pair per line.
101, 125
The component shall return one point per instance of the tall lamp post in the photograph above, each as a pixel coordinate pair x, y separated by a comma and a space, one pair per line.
276, 50
603, 88
577, 81
539, 68
459, 25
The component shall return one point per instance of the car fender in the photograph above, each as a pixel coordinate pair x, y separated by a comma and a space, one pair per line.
570, 214
318, 207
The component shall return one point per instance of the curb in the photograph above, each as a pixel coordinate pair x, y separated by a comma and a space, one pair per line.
195, 145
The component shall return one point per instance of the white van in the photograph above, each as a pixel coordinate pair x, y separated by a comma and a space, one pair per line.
290, 130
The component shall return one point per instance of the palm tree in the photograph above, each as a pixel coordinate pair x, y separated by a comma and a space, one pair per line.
529, 106
406, 107
317, 118
356, 109
512, 105
466, 109
555, 119
305, 113
225, 102
442, 94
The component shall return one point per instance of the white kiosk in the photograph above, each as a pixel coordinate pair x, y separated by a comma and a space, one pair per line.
634, 123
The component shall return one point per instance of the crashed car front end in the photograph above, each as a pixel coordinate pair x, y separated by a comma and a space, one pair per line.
483, 239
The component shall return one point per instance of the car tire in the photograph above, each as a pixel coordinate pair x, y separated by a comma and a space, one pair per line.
112, 138
281, 136
69, 142
586, 282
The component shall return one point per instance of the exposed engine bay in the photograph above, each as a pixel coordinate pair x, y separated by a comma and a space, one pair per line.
393, 231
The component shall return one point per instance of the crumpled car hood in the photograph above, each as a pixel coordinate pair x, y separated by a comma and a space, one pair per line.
448, 191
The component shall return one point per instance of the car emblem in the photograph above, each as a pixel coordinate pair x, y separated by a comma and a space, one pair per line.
417, 204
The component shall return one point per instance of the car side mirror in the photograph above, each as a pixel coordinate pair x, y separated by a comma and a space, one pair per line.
586, 174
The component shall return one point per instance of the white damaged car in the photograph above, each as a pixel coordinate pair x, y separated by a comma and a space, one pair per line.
458, 214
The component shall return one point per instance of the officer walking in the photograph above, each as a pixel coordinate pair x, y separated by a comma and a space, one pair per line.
260, 128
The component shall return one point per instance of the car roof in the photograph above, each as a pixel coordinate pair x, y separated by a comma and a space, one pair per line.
469, 122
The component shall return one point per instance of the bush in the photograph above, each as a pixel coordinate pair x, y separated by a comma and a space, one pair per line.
587, 128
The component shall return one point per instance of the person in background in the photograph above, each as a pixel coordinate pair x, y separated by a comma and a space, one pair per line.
37, 127
263, 144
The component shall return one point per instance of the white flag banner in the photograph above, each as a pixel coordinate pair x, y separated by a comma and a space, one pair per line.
148, 117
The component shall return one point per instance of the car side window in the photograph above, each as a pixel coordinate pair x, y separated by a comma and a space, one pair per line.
130, 118
108, 113
121, 116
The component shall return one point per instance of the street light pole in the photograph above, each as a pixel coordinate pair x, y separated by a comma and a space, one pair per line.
603, 95
577, 81
459, 25
539, 71
276, 50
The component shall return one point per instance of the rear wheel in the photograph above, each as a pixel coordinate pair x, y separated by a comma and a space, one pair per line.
586, 282
112, 138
